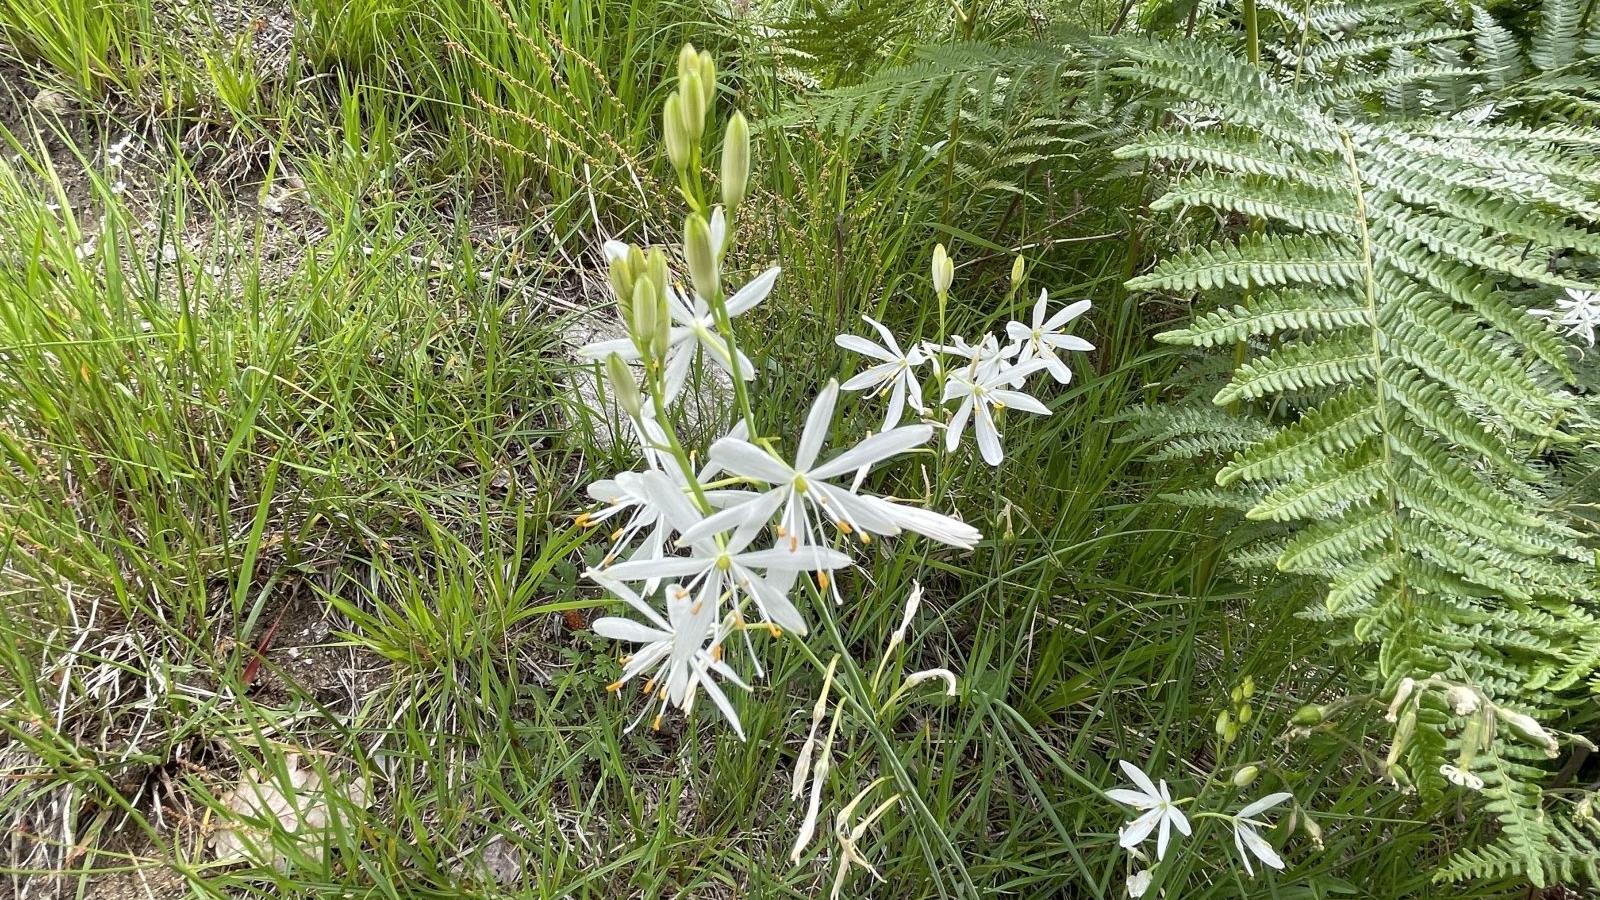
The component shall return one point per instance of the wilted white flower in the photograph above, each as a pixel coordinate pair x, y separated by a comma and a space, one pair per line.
1248, 841
1579, 312
1044, 337
1157, 809
1461, 777
896, 373
1138, 883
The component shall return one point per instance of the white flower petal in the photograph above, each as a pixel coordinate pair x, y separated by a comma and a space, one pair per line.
619, 629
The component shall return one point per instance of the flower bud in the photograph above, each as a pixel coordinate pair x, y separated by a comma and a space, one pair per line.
688, 61
642, 323
701, 255
672, 129
1245, 776
620, 275
1224, 722
735, 162
1248, 688
623, 387
1529, 731
1246, 714
708, 82
944, 270
1309, 715
654, 267
692, 108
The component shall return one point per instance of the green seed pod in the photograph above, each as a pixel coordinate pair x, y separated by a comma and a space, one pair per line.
735, 162
1245, 776
1529, 731
702, 257
1403, 731
623, 387
1309, 715
692, 97
672, 129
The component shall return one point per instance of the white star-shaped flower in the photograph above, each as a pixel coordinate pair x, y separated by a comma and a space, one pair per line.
1044, 337
896, 372
1248, 840
981, 395
801, 493
1156, 808
1579, 312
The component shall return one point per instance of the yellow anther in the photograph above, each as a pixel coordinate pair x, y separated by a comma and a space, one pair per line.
866, 538
716, 653
695, 609
822, 580
649, 686
614, 686
776, 631
844, 526
655, 724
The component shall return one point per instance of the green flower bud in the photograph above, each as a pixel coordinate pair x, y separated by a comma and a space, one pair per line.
1309, 715
642, 324
1246, 714
1248, 688
701, 255
1245, 776
654, 267
708, 82
692, 97
1236, 694
688, 61
621, 277
1017, 266
672, 128
1224, 722
944, 270
735, 162
623, 387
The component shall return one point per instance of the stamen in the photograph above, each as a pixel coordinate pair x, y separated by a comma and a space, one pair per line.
866, 538
614, 686
655, 724
843, 526
776, 631
649, 686
716, 653
822, 580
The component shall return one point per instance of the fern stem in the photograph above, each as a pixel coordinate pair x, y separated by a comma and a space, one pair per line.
1381, 390
1252, 33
